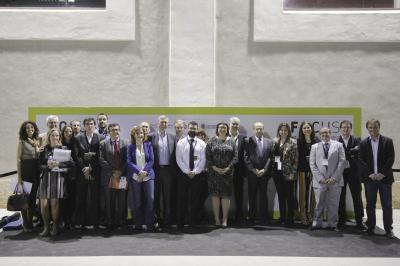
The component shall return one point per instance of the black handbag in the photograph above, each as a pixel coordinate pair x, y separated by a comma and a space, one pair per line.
18, 202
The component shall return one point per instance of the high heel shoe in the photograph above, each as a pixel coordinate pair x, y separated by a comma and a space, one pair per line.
54, 229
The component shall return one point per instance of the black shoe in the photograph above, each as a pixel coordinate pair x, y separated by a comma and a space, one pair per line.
361, 227
390, 234
314, 227
369, 232
333, 228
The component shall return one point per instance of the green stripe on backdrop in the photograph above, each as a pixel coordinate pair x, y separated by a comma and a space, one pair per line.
353, 111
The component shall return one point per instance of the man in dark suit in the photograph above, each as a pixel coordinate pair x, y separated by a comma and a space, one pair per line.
257, 156
377, 158
113, 177
164, 149
87, 151
239, 170
351, 176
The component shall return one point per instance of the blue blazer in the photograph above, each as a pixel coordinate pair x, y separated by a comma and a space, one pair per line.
132, 167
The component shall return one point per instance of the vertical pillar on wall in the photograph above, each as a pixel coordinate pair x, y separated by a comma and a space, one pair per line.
192, 53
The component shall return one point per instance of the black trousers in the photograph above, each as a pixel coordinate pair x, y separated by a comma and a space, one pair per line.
118, 209
257, 188
68, 205
354, 183
285, 190
385, 193
189, 193
238, 192
163, 187
87, 201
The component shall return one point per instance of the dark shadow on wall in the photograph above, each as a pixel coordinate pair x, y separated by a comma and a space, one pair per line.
258, 48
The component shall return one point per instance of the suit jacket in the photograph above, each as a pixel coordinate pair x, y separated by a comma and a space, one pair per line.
336, 163
107, 160
351, 152
253, 160
385, 159
132, 167
82, 147
171, 148
240, 166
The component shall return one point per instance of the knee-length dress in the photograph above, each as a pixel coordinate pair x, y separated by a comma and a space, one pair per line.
222, 154
52, 184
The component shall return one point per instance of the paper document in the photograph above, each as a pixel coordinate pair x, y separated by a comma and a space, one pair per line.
61, 155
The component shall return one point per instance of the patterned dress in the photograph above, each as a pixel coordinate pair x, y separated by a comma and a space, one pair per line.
222, 154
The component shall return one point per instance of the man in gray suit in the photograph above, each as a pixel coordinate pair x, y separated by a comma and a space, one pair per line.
327, 162
112, 161
257, 157
164, 158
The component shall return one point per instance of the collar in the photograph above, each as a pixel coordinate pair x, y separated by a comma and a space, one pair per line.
373, 140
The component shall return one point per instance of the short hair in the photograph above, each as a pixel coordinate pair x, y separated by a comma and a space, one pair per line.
133, 132
22, 130
99, 114
346, 122
145, 122
51, 132
75, 120
301, 134
180, 121
281, 125
63, 140
373, 121
113, 125
88, 119
329, 130
163, 117
52, 117
202, 134
254, 125
222, 123
234, 119
193, 123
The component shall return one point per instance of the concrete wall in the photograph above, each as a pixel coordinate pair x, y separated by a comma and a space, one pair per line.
84, 73
247, 73
305, 74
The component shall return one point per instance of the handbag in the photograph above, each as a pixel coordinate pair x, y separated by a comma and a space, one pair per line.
18, 202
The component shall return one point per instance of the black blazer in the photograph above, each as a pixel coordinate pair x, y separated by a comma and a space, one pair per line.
82, 147
304, 151
385, 159
171, 148
351, 151
253, 161
240, 166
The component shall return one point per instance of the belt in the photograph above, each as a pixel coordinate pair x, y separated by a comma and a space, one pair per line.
163, 166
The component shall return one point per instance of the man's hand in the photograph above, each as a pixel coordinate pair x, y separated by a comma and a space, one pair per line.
191, 174
87, 171
372, 176
379, 176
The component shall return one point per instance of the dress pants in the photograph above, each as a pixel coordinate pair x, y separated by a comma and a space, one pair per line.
285, 190
163, 193
189, 191
354, 183
385, 193
118, 210
104, 204
328, 196
238, 192
87, 201
257, 186
143, 202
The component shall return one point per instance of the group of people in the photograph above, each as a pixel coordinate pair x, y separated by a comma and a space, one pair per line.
164, 179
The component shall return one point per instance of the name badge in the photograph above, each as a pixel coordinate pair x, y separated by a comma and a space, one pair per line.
279, 165
277, 159
325, 162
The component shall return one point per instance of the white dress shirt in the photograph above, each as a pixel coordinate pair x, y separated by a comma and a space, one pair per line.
375, 147
183, 154
163, 149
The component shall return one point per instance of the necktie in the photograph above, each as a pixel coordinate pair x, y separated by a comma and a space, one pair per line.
326, 150
116, 155
191, 155
260, 147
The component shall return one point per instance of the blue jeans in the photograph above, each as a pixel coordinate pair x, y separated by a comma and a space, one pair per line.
385, 193
143, 202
